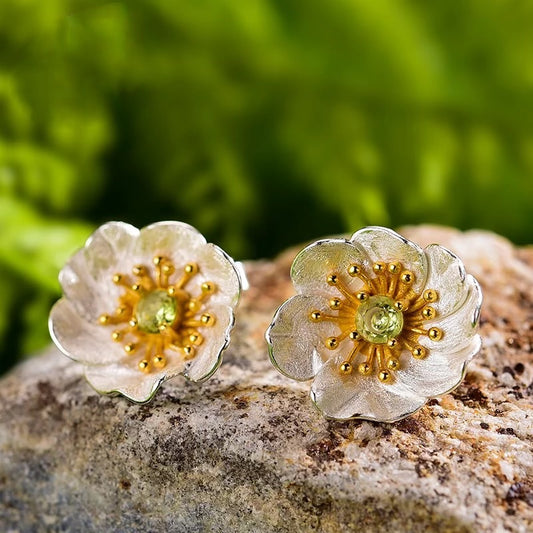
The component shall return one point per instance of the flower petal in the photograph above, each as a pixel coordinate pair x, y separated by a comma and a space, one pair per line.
460, 327
297, 345
216, 340
383, 244
80, 340
447, 276
357, 396
86, 278
315, 263
176, 240
126, 380
216, 266
439, 372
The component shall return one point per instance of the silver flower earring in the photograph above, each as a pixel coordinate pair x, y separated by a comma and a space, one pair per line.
379, 324
141, 306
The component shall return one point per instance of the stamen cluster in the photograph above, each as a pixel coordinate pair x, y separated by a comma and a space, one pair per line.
384, 318
158, 314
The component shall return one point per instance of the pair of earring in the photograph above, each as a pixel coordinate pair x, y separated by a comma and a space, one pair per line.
379, 324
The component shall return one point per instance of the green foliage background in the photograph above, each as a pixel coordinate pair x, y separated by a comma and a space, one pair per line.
262, 123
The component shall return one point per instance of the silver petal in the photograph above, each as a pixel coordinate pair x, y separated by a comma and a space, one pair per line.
297, 345
178, 241
383, 244
216, 340
357, 396
80, 340
86, 278
446, 275
439, 372
315, 263
460, 327
126, 380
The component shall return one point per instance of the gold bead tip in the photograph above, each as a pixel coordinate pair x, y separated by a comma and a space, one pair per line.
407, 277
130, 348
189, 351
315, 316
133, 323
136, 287
392, 343
429, 312
191, 268
117, 278
435, 334
332, 279
196, 338
419, 352
332, 343
365, 369
335, 303
157, 260
144, 365
384, 376
139, 270
354, 335
430, 295
193, 305
378, 267
393, 363
207, 319
345, 368
116, 336
167, 269
362, 296
159, 361
393, 268
104, 319
171, 291
402, 305
208, 287
354, 270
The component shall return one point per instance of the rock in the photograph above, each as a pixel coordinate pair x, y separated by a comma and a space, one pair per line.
246, 451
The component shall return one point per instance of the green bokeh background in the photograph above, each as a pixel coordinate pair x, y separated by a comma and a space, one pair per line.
262, 123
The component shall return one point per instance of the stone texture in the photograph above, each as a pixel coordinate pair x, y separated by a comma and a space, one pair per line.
246, 451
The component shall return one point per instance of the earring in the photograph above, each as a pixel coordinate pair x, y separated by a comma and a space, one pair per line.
379, 324
141, 306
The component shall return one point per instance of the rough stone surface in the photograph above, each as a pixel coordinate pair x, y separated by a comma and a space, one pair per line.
246, 451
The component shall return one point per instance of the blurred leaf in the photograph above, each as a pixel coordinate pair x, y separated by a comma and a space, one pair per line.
34, 247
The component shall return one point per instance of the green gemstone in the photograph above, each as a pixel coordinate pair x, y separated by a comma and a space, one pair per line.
156, 309
378, 321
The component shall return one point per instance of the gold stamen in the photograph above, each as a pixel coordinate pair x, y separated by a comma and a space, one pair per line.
419, 352
435, 334
430, 295
335, 303
346, 367
332, 343
189, 352
429, 313
130, 348
144, 366
315, 316
159, 361
207, 319
189, 271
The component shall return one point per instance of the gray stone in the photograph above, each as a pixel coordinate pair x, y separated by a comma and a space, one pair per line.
246, 451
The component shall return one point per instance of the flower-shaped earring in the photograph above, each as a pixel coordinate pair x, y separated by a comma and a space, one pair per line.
380, 324
143, 306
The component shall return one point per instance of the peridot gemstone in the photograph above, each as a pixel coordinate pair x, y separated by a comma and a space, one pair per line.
154, 310
377, 320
